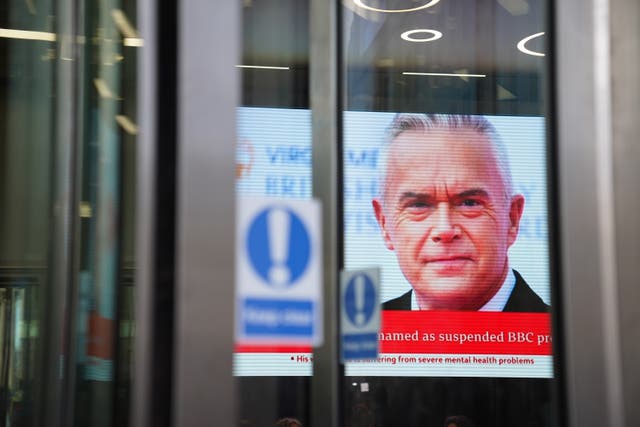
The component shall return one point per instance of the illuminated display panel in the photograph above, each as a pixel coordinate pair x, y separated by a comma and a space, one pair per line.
446, 228
273, 152
274, 159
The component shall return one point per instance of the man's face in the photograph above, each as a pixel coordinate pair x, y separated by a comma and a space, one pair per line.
446, 213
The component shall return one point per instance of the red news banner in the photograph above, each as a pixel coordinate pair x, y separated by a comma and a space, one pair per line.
461, 332
451, 332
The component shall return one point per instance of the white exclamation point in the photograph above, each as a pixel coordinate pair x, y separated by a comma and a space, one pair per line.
359, 296
278, 227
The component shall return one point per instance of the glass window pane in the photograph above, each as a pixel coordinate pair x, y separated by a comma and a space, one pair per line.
274, 160
27, 71
106, 173
446, 191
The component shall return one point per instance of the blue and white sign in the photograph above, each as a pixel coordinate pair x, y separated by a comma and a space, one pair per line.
278, 272
360, 317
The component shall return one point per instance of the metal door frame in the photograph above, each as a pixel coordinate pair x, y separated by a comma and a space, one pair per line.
185, 213
597, 49
597, 157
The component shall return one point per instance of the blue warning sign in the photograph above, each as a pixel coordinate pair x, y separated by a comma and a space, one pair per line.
360, 299
278, 246
360, 314
278, 272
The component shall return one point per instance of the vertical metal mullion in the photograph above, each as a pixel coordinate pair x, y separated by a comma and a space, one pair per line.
208, 46
142, 395
79, 79
589, 295
155, 215
559, 397
60, 301
602, 64
625, 91
325, 128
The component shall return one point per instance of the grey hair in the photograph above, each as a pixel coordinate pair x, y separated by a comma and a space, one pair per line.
404, 122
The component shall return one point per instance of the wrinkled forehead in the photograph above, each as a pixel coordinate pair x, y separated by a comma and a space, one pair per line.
443, 156
441, 150
456, 149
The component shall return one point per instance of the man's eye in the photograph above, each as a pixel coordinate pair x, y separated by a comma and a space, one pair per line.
418, 205
470, 203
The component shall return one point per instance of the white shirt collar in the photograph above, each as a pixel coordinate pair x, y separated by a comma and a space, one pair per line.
496, 303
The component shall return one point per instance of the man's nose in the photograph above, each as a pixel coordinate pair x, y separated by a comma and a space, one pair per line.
444, 229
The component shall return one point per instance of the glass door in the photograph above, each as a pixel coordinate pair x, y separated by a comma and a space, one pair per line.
27, 135
66, 254
446, 190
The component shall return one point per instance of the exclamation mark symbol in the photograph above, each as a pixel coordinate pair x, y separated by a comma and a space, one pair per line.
358, 290
278, 223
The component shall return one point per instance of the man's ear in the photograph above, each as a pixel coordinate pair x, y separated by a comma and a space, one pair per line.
377, 209
515, 213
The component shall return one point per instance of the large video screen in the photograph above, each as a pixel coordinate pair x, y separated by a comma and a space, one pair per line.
452, 209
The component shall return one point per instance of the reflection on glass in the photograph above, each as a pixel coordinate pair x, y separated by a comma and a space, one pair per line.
26, 130
445, 166
106, 172
274, 160
93, 307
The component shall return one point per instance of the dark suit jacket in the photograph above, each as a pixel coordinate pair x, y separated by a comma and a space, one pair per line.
522, 299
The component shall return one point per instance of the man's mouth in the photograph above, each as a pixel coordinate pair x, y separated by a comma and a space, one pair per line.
448, 258
448, 263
